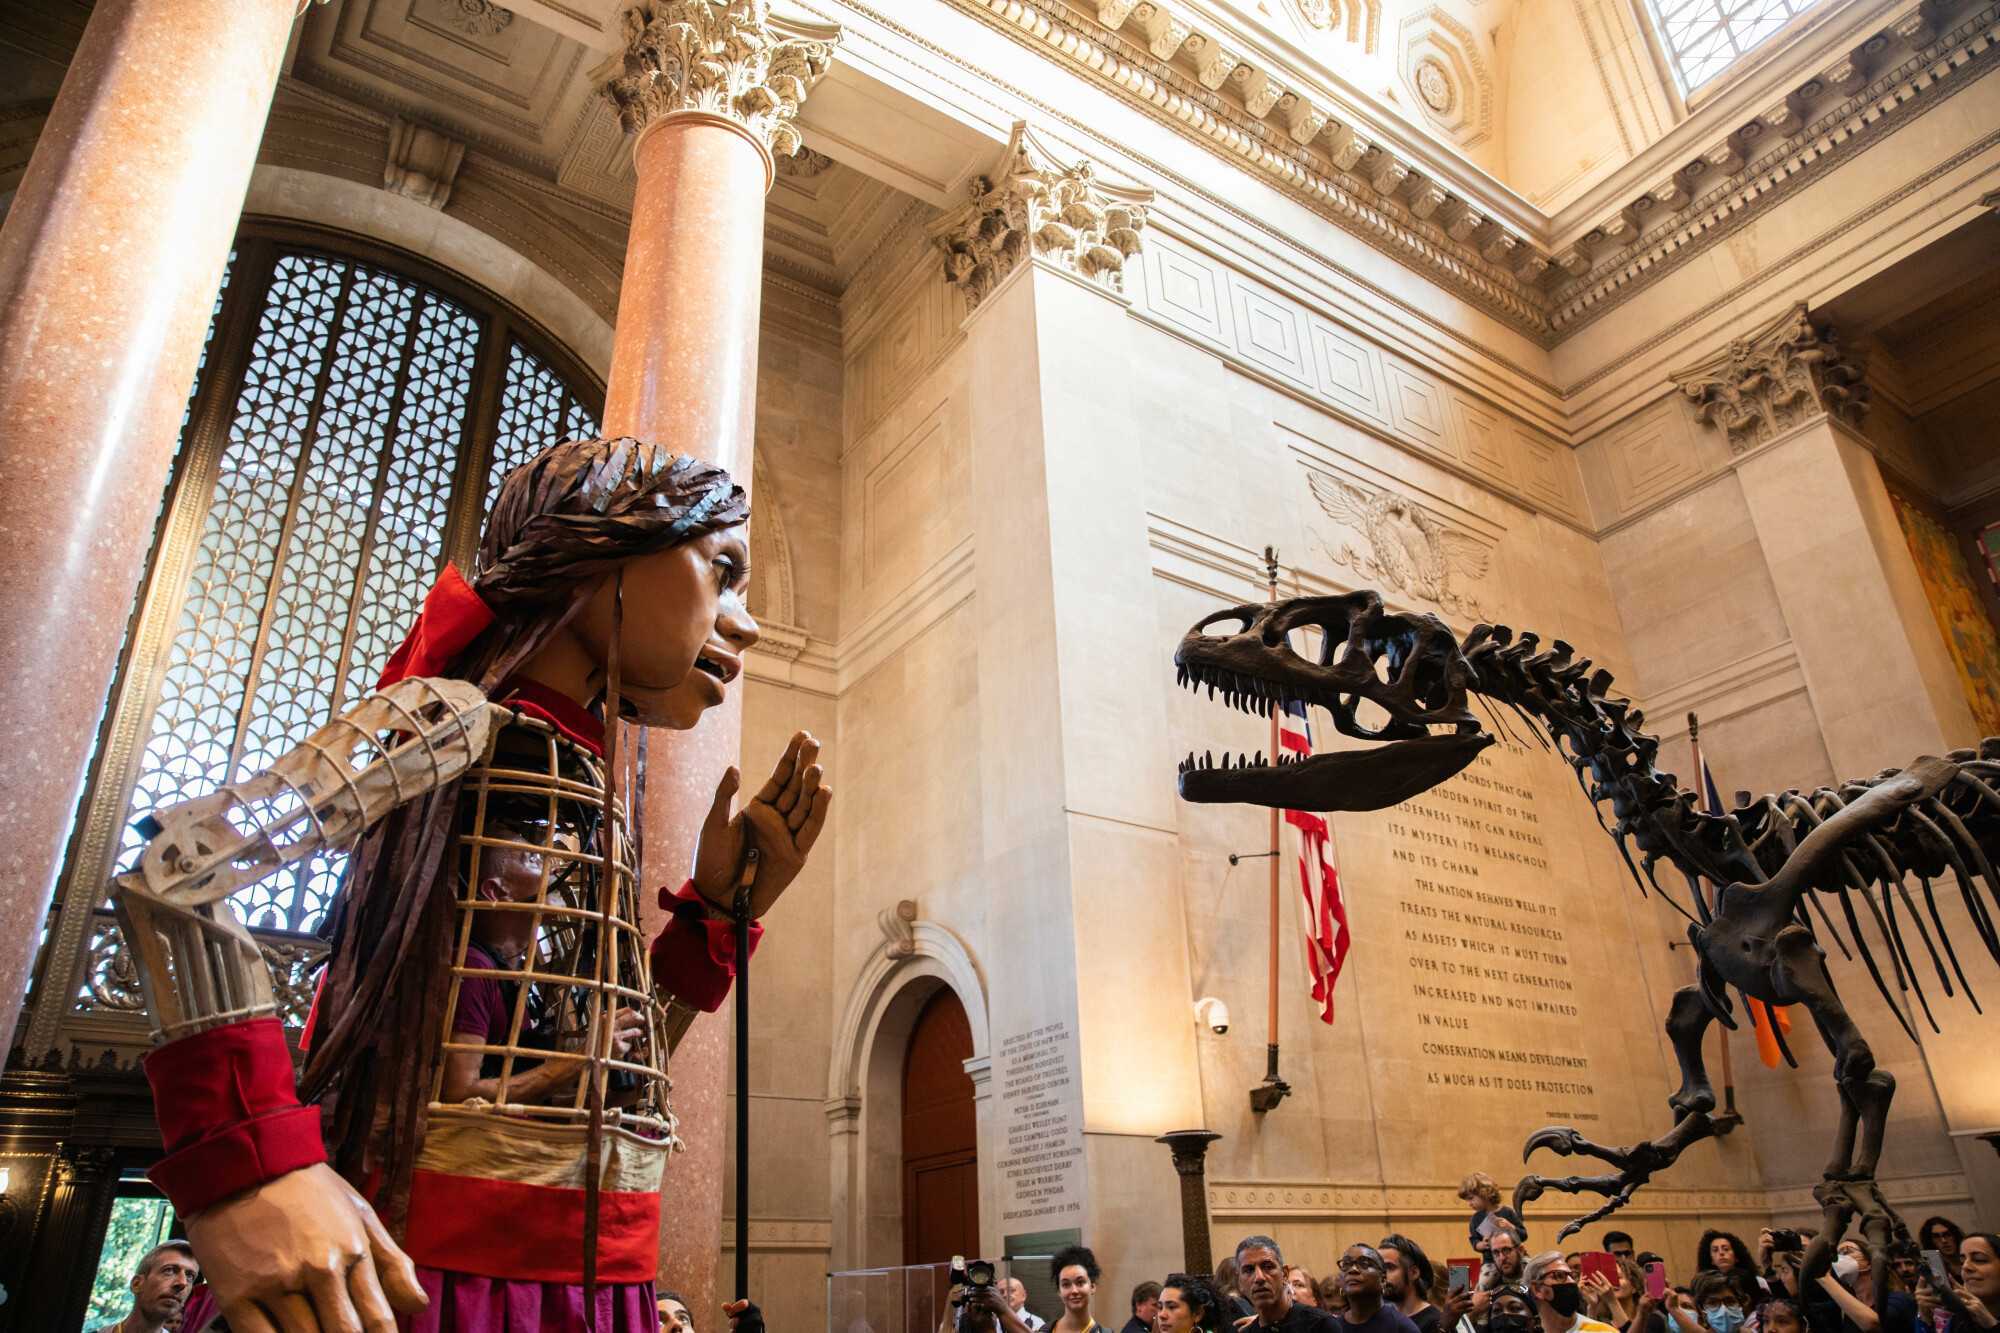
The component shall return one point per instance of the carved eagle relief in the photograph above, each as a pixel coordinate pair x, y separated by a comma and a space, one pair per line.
1411, 548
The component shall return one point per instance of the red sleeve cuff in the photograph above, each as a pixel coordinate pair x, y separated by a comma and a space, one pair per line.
240, 1157
694, 959
229, 1111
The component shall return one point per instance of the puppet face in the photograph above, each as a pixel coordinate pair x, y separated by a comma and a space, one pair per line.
685, 628
1409, 667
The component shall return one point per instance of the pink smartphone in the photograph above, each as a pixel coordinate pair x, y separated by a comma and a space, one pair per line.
1656, 1281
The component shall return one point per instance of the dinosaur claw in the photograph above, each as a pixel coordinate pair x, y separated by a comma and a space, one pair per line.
1556, 1138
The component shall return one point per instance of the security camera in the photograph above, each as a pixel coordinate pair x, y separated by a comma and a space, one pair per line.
1213, 1012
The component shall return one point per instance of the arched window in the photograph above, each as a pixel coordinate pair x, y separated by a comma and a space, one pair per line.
353, 411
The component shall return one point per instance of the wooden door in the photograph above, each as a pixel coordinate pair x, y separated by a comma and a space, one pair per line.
940, 1137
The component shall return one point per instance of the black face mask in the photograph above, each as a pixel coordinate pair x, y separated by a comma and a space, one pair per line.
1507, 1323
1566, 1297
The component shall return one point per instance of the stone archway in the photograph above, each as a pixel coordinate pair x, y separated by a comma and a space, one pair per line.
291, 194
864, 1085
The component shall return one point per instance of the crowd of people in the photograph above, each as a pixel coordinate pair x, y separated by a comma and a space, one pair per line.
1944, 1279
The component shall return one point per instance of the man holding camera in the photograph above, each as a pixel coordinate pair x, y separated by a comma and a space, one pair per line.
981, 1306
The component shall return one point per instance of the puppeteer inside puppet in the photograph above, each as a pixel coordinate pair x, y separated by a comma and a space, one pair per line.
492, 1020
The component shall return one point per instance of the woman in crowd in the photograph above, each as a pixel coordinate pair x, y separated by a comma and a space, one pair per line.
1305, 1289
1075, 1272
1623, 1304
1190, 1304
1849, 1296
1724, 1300
1614, 1303
1723, 1252
1234, 1305
1974, 1299
1945, 1236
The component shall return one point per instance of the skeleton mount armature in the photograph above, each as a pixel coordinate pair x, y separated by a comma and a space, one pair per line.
1772, 860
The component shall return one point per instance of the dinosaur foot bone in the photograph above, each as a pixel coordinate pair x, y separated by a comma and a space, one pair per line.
1636, 1165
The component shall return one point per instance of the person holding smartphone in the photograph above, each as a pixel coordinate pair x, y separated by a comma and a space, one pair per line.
1636, 1308
1945, 1236
1852, 1289
1973, 1301
1558, 1300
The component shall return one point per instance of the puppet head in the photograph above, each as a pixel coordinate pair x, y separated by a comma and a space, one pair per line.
596, 541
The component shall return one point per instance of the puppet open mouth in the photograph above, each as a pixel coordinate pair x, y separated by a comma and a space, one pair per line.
703, 662
1407, 667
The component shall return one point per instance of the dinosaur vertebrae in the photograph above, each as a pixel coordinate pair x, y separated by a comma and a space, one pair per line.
1955, 833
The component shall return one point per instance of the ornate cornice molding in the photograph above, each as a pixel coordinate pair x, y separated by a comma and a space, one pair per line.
728, 58
1772, 155
1340, 172
1179, 75
1769, 381
1030, 207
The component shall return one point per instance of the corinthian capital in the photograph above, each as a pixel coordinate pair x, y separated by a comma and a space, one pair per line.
1029, 207
728, 57
1768, 382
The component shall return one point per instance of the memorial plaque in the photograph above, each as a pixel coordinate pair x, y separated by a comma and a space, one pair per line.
1041, 1128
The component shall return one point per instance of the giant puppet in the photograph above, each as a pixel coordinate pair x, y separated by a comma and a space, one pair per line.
485, 1115
1773, 859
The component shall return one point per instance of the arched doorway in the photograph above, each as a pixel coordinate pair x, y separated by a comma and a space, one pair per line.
940, 1136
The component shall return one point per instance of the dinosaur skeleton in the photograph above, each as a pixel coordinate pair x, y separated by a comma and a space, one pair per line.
1773, 859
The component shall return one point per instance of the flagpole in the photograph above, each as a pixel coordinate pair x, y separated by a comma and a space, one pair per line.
1273, 1090
1730, 1116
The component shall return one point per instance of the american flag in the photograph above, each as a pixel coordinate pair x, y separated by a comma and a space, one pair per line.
1325, 925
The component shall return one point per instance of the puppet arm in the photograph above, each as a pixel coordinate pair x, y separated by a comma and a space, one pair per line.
694, 958
245, 1162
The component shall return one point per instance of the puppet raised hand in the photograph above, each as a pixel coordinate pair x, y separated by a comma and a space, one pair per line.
301, 1253
782, 821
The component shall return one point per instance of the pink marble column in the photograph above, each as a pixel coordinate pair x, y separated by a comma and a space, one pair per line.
684, 374
109, 263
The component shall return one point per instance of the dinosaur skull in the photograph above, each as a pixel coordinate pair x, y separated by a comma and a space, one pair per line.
1408, 666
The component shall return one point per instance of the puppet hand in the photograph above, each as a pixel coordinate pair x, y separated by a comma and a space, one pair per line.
302, 1254
744, 1317
783, 821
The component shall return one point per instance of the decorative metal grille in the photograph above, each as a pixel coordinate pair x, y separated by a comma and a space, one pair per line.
326, 520
1706, 37
536, 408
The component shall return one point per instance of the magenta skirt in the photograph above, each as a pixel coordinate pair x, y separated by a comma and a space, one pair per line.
464, 1303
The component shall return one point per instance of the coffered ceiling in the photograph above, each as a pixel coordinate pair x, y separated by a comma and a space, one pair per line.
518, 90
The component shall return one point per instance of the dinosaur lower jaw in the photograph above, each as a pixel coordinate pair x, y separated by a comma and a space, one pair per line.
1343, 780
